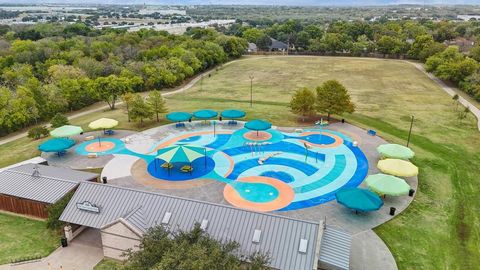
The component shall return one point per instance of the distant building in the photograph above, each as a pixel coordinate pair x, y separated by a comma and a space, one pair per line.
468, 17
252, 47
277, 45
464, 44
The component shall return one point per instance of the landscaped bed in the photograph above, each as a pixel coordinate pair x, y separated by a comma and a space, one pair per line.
24, 239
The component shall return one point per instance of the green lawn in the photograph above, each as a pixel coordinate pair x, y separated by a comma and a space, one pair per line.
108, 264
22, 238
441, 229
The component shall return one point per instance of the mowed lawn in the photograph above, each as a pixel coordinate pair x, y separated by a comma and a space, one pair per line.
22, 238
441, 229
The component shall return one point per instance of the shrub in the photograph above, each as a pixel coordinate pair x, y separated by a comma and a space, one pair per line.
55, 210
38, 132
59, 120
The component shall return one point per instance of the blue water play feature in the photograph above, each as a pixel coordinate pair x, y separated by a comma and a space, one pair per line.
314, 164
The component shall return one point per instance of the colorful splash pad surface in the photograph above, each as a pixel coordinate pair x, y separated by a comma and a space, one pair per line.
275, 173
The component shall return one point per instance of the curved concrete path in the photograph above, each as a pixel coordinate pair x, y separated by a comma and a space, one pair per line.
473, 109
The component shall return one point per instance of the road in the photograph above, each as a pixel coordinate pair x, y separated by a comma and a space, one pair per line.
473, 109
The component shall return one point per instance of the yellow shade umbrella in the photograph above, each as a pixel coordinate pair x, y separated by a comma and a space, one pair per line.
397, 167
103, 123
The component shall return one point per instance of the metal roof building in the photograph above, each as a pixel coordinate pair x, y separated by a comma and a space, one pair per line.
291, 243
29, 188
41, 183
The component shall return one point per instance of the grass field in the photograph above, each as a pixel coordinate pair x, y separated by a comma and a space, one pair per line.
441, 229
22, 238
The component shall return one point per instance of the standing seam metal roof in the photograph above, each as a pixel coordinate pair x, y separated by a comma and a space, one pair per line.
280, 235
20, 182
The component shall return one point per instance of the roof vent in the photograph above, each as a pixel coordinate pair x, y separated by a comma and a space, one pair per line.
204, 224
303, 246
256, 236
166, 218
35, 173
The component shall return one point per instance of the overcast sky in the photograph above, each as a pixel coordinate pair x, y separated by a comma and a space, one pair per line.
253, 2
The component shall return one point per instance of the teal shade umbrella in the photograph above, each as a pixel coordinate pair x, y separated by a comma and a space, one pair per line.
205, 114
359, 199
179, 116
258, 125
66, 131
385, 184
180, 153
233, 114
56, 145
395, 151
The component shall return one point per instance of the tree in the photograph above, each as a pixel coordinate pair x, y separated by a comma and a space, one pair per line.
38, 132
303, 102
157, 103
455, 99
252, 34
111, 87
264, 42
59, 120
163, 249
140, 109
333, 98
128, 99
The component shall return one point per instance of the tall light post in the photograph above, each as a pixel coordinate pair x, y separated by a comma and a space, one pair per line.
251, 89
410, 131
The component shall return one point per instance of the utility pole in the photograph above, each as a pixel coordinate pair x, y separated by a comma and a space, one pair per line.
410, 131
251, 89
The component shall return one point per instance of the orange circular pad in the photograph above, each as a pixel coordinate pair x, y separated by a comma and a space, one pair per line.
262, 136
99, 147
285, 195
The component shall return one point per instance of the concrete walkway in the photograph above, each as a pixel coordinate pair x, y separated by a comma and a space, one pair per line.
81, 254
473, 109
370, 252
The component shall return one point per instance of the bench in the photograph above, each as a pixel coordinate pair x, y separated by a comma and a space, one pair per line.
92, 155
89, 138
371, 132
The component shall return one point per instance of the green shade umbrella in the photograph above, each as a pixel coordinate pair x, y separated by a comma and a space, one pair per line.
56, 145
66, 131
384, 184
359, 199
397, 167
178, 116
395, 151
205, 114
180, 153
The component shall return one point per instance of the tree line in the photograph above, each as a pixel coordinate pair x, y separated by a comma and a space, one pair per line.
52, 68
434, 43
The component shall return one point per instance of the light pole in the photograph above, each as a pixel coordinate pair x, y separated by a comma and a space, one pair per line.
251, 89
410, 131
